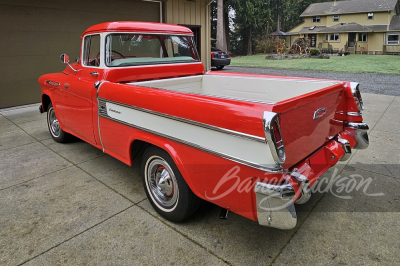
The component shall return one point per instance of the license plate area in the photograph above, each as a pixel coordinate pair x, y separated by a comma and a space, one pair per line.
318, 162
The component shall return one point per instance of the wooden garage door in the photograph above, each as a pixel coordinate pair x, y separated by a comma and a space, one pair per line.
35, 33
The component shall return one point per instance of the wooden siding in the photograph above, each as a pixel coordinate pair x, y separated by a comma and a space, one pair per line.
192, 13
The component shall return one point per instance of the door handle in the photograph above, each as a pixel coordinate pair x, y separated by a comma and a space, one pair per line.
94, 73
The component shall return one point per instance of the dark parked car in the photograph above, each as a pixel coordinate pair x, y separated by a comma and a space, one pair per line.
219, 58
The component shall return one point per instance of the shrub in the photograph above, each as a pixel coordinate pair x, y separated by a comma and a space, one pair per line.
314, 52
269, 44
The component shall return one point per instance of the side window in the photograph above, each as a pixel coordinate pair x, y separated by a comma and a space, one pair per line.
91, 52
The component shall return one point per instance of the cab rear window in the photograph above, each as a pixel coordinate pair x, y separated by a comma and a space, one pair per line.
139, 49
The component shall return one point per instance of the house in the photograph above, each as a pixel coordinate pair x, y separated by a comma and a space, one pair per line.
356, 26
36, 33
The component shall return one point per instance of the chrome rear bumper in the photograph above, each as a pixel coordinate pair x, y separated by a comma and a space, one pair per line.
275, 207
275, 203
360, 133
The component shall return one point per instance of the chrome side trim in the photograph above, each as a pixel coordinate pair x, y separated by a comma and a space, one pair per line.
267, 168
100, 105
350, 113
275, 206
361, 126
53, 83
354, 113
268, 119
195, 123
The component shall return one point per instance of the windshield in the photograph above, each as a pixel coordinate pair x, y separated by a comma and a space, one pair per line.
139, 49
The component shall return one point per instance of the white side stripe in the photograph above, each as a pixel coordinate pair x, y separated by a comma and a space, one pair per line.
254, 152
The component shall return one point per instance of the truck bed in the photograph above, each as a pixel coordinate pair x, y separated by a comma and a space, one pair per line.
296, 100
260, 89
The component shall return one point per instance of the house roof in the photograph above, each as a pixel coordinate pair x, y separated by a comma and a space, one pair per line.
395, 23
351, 27
347, 27
378, 28
310, 30
345, 7
278, 33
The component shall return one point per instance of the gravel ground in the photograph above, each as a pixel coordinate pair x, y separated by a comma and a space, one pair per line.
387, 84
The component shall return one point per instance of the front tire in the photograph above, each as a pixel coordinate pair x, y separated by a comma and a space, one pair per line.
165, 187
53, 124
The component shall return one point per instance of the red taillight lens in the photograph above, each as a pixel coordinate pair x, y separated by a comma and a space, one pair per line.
212, 55
277, 134
280, 148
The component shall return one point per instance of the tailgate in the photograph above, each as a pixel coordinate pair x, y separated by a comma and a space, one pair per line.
310, 122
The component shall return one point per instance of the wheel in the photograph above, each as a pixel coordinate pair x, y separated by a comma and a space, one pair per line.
54, 126
220, 67
165, 187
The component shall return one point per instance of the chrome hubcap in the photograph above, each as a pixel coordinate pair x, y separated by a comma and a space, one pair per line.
162, 182
53, 123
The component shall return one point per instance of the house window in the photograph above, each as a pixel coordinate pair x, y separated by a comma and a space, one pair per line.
325, 37
393, 39
316, 19
336, 18
362, 37
370, 15
334, 37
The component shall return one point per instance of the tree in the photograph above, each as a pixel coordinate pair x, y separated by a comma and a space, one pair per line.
221, 35
251, 19
254, 19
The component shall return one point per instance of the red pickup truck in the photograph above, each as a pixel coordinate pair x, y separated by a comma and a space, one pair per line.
252, 144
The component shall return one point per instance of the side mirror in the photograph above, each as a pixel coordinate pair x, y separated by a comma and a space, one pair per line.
64, 58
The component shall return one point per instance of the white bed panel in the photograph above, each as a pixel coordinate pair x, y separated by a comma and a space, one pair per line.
269, 90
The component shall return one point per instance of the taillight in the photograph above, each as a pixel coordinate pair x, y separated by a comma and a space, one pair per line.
355, 89
212, 55
274, 137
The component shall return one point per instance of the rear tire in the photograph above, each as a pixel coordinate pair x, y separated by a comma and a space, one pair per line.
220, 67
165, 187
53, 124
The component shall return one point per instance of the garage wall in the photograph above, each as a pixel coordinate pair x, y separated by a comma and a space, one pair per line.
192, 13
35, 33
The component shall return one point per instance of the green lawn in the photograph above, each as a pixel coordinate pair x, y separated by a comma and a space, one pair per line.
384, 64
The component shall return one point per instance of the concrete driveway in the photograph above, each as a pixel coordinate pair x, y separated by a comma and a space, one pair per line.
71, 204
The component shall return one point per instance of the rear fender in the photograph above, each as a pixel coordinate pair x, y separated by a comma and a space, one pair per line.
164, 144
